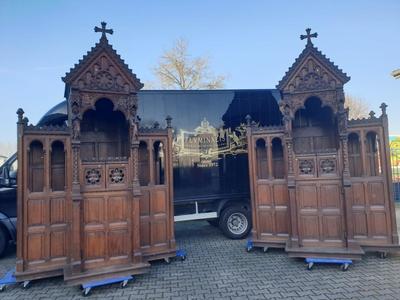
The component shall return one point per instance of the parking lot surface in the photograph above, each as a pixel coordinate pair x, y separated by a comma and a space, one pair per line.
220, 268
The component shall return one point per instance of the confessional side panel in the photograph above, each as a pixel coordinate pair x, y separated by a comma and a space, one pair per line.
369, 192
46, 200
270, 190
156, 216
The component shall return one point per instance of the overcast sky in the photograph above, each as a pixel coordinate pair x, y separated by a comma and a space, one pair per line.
252, 42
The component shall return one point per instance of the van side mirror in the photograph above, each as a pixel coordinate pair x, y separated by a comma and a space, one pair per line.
12, 177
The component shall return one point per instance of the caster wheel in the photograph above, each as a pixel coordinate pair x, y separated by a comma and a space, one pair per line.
310, 265
345, 267
167, 260
86, 292
26, 284
124, 283
383, 255
265, 249
2, 288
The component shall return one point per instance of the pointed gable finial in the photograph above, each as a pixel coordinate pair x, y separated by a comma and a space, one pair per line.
308, 36
103, 30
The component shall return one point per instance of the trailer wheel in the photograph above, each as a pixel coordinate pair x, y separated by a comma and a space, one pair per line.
235, 222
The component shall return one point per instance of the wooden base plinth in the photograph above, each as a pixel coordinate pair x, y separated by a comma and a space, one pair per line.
160, 255
37, 274
382, 248
319, 252
268, 244
98, 274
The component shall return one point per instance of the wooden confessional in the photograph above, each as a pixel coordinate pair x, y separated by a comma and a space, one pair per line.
92, 202
321, 184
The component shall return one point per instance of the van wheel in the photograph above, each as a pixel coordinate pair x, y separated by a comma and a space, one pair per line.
235, 222
3, 242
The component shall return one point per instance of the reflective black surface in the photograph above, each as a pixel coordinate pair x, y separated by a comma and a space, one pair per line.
210, 149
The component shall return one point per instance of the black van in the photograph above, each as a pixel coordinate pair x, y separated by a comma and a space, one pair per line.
211, 178
8, 202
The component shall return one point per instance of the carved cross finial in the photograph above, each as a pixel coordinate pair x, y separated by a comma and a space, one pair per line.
103, 30
308, 36
383, 108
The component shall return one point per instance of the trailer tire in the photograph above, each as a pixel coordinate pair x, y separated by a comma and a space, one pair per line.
235, 222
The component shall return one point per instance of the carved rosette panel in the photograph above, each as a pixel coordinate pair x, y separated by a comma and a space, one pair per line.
103, 74
92, 176
327, 166
117, 175
306, 167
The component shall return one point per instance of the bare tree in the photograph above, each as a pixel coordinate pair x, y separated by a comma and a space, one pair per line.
358, 108
177, 69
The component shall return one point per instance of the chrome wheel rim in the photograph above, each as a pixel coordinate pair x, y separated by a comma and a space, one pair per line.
237, 223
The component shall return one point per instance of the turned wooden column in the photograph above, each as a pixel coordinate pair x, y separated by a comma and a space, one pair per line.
170, 180
75, 246
20, 197
347, 195
291, 181
136, 192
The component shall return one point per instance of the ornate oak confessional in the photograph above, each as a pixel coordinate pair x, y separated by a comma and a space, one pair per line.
95, 198
321, 184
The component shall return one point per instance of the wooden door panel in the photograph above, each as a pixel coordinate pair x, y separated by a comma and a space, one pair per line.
118, 243
36, 212
264, 194
93, 210
94, 245
36, 246
307, 195
159, 233
158, 202
266, 222
145, 233
358, 194
57, 210
378, 224
376, 195
281, 195
58, 244
360, 224
309, 227
282, 222
332, 228
145, 203
117, 209
330, 196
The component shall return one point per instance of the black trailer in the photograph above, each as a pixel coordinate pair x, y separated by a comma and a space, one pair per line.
211, 178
